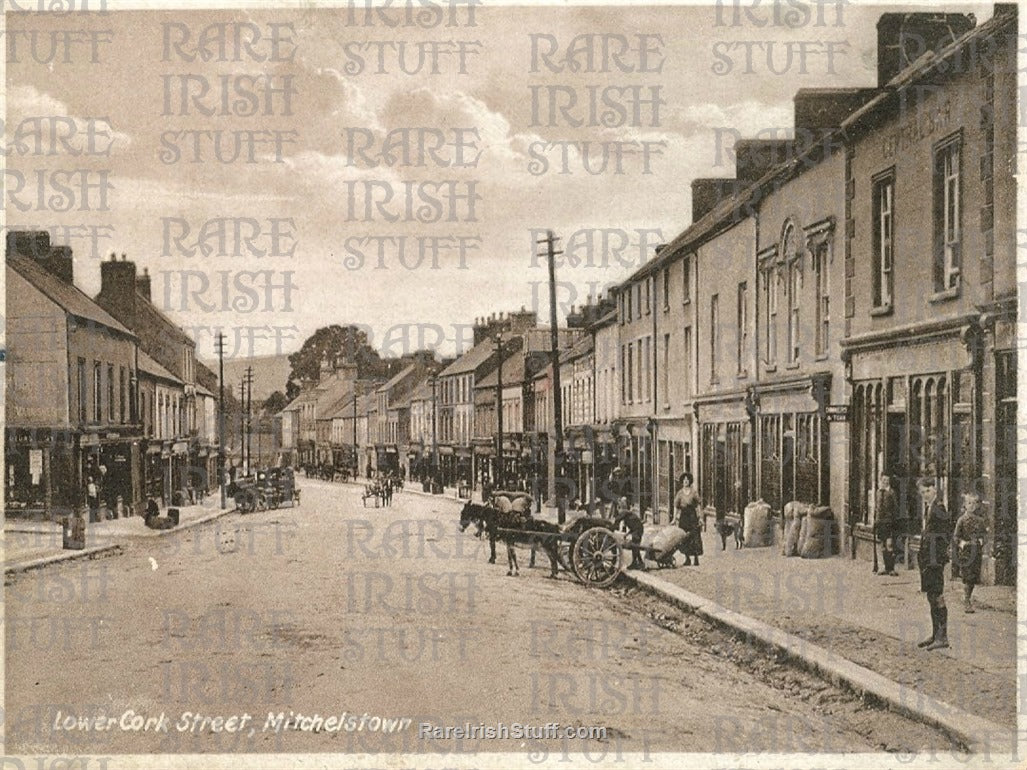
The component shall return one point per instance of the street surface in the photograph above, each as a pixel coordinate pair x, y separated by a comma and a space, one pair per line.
370, 617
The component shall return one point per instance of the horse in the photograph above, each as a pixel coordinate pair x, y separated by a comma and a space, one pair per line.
492, 520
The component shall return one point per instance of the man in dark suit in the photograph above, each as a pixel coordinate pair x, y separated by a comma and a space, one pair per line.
932, 558
885, 523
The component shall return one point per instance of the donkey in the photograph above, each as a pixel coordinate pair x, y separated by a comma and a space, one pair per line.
492, 520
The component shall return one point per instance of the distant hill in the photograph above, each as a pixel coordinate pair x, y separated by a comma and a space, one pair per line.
269, 374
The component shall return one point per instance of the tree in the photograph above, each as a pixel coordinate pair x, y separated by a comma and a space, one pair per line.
274, 403
335, 344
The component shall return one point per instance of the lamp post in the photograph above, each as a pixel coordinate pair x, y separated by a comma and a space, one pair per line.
499, 411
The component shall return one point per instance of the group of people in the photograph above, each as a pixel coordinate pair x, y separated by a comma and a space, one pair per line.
686, 516
940, 543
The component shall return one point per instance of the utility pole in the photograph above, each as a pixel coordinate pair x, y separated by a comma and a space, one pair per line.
247, 393
434, 435
220, 344
356, 462
554, 337
499, 411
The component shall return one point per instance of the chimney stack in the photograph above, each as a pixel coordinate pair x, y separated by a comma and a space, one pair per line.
35, 245
902, 38
143, 285
118, 289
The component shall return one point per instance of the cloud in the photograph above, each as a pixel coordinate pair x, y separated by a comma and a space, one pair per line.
33, 117
748, 118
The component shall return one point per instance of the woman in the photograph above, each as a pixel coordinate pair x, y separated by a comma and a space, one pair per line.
686, 504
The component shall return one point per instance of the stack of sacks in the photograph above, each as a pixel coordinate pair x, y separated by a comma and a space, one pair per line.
795, 514
758, 524
820, 534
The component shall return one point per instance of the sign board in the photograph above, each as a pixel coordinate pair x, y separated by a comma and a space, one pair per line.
837, 413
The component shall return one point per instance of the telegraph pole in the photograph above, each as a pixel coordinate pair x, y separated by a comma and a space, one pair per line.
220, 344
249, 417
554, 337
356, 461
499, 411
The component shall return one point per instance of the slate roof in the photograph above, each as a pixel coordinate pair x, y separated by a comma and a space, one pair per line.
66, 296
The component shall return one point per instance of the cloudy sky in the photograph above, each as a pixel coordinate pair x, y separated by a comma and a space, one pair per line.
344, 80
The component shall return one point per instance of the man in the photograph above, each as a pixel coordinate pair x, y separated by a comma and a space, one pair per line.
932, 558
968, 546
630, 524
885, 524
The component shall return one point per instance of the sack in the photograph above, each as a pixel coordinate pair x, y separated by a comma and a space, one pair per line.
521, 505
667, 541
502, 503
793, 515
757, 527
819, 536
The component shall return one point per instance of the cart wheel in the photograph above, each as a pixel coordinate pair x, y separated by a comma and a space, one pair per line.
596, 557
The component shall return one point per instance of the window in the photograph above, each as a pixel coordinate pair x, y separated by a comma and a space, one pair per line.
628, 316
770, 288
623, 376
640, 369
686, 367
666, 288
648, 368
631, 373
884, 239
664, 368
794, 282
638, 300
714, 335
83, 396
110, 392
947, 215
97, 393
686, 280
822, 260
648, 295
742, 319
121, 394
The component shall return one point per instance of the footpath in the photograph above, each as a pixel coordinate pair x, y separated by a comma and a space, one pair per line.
858, 629
31, 544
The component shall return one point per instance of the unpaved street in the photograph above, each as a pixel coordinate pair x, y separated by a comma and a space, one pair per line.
367, 616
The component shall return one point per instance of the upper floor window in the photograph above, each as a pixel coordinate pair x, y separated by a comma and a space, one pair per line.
627, 296
638, 300
686, 280
714, 336
948, 214
647, 288
884, 239
666, 288
794, 283
770, 302
97, 393
822, 264
742, 320
83, 397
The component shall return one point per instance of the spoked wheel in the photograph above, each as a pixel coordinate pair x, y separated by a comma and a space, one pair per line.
596, 557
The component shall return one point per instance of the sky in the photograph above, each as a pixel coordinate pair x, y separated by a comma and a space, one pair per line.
495, 153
